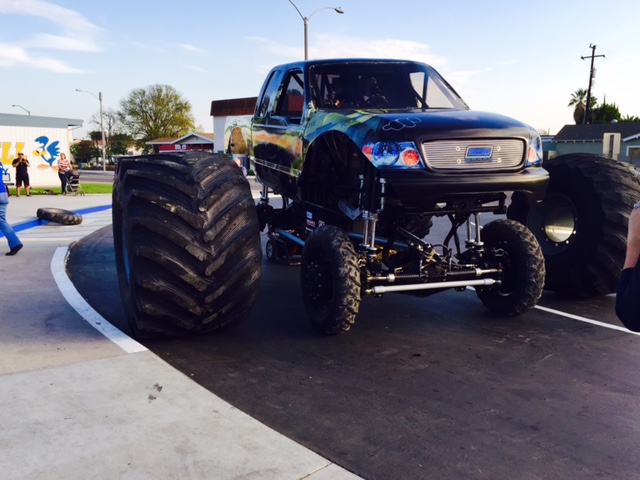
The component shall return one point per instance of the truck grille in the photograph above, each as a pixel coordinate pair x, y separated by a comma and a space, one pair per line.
465, 155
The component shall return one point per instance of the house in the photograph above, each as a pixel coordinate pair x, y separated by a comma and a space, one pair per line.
41, 139
616, 140
189, 142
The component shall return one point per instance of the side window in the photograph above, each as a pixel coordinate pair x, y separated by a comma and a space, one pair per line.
265, 101
291, 102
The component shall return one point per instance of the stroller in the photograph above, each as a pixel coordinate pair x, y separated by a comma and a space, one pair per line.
73, 183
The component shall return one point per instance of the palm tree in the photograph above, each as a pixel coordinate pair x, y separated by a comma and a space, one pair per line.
630, 118
579, 99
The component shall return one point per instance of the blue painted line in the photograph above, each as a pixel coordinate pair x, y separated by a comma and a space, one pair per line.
19, 227
93, 209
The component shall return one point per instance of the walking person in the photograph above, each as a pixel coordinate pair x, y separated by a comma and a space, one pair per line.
64, 165
628, 295
21, 165
5, 228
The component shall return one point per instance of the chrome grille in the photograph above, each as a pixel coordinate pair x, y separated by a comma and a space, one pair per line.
467, 155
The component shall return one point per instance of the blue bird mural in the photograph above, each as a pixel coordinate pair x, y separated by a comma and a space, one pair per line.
52, 150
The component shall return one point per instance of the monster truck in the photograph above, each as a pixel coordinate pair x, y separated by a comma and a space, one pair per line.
363, 154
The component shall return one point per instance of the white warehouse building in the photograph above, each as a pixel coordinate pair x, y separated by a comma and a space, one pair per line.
41, 139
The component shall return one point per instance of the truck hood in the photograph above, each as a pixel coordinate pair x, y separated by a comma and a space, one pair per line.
364, 126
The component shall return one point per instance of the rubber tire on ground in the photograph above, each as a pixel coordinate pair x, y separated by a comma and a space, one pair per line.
522, 264
330, 280
600, 193
58, 215
187, 243
273, 250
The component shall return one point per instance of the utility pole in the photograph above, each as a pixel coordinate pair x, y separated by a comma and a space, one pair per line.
592, 74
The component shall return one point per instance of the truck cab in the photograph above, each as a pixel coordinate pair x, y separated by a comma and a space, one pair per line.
318, 124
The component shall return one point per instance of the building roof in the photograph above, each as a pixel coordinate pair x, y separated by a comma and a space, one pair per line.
161, 141
594, 132
234, 106
195, 137
192, 137
13, 120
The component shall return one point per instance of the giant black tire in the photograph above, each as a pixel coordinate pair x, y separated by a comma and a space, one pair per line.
58, 215
330, 280
582, 223
187, 243
510, 246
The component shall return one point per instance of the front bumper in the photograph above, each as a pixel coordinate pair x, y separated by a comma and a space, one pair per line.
420, 190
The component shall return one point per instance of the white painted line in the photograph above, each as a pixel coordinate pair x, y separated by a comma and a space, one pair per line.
81, 306
581, 319
585, 320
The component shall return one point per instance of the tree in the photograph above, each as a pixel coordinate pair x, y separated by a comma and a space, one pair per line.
96, 138
84, 150
605, 113
119, 143
579, 101
630, 119
155, 112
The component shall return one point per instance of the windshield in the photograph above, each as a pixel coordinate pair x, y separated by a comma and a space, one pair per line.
385, 85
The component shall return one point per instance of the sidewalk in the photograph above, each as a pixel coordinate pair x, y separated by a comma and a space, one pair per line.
74, 404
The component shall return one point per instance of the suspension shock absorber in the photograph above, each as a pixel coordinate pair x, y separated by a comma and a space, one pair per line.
479, 242
474, 241
374, 191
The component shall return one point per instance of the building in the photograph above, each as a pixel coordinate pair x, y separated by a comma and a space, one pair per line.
189, 142
41, 139
616, 140
235, 107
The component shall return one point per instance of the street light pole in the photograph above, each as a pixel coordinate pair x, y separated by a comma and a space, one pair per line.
104, 140
20, 106
305, 20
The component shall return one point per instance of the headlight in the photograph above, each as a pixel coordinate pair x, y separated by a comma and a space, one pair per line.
534, 155
393, 154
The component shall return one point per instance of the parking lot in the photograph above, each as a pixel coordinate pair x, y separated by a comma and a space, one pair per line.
420, 388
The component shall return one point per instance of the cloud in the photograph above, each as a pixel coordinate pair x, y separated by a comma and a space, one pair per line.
196, 68
345, 46
12, 56
337, 46
68, 31
191, 48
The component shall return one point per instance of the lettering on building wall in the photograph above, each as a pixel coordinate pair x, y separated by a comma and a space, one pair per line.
6, 158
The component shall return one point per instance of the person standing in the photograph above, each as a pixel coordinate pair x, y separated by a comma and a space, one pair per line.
5, 228
64, 165
22, 174
628, 295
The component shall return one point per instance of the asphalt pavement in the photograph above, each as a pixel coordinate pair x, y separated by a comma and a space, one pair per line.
79, 398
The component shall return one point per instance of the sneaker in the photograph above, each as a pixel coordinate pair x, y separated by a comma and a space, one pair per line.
14, 250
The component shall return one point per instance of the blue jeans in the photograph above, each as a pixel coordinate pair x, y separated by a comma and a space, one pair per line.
5, 228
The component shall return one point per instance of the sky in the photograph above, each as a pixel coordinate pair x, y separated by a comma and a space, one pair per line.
517, 58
